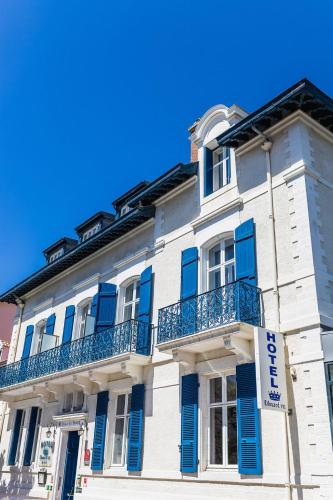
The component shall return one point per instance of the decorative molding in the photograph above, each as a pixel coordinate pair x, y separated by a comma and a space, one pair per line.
236, 203
92, 280
43, 305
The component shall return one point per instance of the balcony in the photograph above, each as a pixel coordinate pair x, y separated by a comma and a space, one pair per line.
105, 351
232, 308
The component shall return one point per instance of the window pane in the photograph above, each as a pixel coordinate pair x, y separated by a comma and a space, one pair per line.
129, 403
229, 250
215, 390
128, 312
229, 273
331, 398
216, 444
79, 400
129, 292
231, 387
330, 371
137, 286
136, 310
232, 435
121, 404
214, 279
214, 256
118, 441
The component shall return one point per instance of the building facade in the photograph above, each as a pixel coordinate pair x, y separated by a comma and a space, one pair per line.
132, 369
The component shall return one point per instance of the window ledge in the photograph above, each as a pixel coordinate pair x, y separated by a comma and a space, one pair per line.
219, 192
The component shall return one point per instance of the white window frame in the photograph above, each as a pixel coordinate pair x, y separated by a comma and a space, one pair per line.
79, 325
217, 166
38, 337
206, 269
224, 406
125, 416
132, 302
56, 255
74, 397
91, 231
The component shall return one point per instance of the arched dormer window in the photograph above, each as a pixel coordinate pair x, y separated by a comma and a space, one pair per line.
129, 299
219, 263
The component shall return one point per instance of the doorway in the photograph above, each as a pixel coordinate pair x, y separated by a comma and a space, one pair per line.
70, 466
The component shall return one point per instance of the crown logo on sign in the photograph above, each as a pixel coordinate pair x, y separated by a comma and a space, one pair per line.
274, 396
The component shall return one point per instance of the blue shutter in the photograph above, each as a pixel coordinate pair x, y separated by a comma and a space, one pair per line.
99, 434
189, 423
30, 436
135, 432
15, 437
144, 315
248, 421
93, 307
246, 269
50, 322
189, 273
27, 342
106, 306
208, 171
68, 324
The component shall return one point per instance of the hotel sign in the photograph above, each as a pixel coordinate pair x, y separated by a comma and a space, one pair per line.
270, 370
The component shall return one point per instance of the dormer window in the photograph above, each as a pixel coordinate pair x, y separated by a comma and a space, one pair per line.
59, 248
124, 210
217, 169
56, 255
93, 225
90, 232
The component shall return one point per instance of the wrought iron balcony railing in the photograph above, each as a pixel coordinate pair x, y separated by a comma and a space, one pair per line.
129, 337
237, 301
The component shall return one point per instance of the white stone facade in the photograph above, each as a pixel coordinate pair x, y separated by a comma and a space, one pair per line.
302, 178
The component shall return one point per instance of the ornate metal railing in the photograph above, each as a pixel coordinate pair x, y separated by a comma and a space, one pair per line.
237, 301
129, 337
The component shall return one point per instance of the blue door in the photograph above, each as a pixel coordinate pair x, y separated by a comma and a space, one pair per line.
70, 466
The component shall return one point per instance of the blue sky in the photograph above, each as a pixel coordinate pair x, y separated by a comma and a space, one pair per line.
97, 95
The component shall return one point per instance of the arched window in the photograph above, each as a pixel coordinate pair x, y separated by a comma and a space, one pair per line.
131, 299
220, 264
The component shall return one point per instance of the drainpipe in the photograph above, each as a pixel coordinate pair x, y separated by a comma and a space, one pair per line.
266, 146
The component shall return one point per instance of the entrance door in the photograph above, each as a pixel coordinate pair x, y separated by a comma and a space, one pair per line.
70, 466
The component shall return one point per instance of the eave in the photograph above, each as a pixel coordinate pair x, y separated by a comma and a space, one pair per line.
303, 96
164, 184
118, 228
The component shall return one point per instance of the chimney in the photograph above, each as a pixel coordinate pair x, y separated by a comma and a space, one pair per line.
194, 147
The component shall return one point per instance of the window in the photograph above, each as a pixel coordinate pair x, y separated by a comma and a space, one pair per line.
124, 210
121, 429
86, 322
36, 434
73, 402
131, 301
217, 169
221, 264
221, 168
18, 448
329, 382
222, 421
54, 256
91, 231
38, 338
